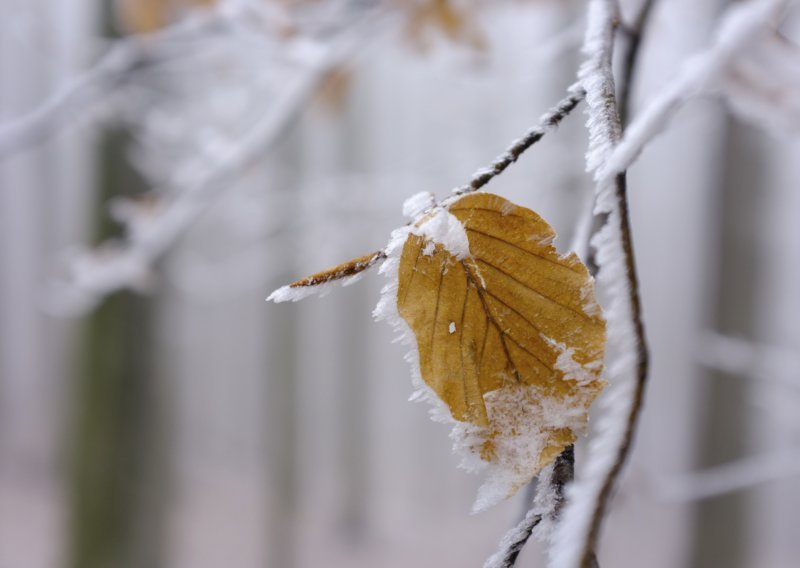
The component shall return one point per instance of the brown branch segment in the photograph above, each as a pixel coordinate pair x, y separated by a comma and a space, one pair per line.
349, 268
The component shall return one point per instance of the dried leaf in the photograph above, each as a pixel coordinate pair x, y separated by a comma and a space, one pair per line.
509, 338
508, 333
455, 23
147, 16
334, 90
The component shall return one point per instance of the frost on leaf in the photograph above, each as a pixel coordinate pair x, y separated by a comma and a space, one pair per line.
508, 336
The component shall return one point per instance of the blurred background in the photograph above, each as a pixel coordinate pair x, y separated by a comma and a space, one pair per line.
165, 164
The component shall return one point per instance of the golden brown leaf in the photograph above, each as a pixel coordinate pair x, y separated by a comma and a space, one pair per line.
426, 16
146, 16
509, 335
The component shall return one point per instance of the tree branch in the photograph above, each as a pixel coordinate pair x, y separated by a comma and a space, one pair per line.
548, 122
576, 538
741, 24
545, 510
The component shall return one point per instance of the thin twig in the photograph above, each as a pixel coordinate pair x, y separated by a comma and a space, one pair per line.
556, 478
642, 364
513, 542
548, 121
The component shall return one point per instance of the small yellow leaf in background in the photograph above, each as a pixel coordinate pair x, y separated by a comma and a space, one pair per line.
454, 22
508, 333
147, 16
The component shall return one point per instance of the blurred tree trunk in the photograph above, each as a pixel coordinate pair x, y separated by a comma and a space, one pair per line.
117, 453
720, 535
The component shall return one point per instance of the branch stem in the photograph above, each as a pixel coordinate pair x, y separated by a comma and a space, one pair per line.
549, 121
615, 113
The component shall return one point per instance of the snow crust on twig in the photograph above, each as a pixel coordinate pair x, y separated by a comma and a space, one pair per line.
572, 538
297, 293
548, 122
513, 541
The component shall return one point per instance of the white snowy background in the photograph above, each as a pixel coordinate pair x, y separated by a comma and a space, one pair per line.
288, 439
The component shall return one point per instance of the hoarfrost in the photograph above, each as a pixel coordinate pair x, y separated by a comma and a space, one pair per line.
573, 371
521, 418
443, 228
547, 502
513, 541
570, 536
417, 204
296, 293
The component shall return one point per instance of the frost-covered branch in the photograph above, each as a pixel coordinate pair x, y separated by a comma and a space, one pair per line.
575, 538
741, 25
547, 504
549, 121
513, 542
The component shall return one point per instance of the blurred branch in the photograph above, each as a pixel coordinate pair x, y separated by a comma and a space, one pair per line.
153, 230
727, 478
764, 362
576, 539
99, 82
741, 24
